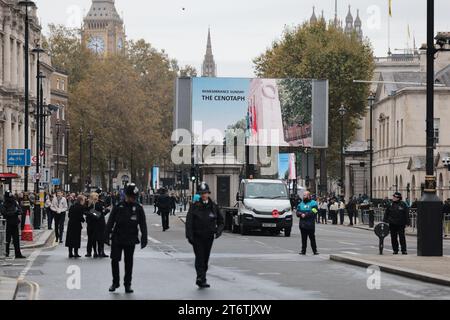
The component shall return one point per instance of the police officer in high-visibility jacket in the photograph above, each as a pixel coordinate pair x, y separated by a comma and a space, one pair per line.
307, 211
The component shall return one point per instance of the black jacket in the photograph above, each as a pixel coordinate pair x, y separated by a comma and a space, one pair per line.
124, 223
164, 203
75, 225
397, 213
204, 220
11, 211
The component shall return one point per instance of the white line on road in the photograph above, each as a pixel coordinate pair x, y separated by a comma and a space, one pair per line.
154, 240
269, 274
352, 253
347, 243
31, 260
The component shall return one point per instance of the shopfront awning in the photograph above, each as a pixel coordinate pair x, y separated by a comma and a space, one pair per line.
9, 176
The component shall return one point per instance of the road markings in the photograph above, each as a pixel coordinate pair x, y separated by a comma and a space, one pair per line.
31, 260
347, 243
269, 274
352, 253
154, 240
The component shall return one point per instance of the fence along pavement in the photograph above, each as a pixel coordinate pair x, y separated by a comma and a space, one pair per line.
379, 215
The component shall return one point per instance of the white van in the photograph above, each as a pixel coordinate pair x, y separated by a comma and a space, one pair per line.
263, 205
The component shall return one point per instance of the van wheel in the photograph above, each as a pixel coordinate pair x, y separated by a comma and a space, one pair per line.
243, 230
287, 233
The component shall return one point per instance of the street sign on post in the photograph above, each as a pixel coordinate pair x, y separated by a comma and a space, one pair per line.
18, 157
56, 182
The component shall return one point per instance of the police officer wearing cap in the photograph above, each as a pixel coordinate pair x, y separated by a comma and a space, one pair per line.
397, 216
123, 230
204, 222
11, 211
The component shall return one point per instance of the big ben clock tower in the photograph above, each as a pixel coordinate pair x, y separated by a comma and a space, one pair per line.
103, 30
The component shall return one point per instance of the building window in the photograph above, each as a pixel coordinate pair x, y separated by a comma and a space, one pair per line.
63, 145
63, 85
398, 134
57, 84
437, 125
63, 113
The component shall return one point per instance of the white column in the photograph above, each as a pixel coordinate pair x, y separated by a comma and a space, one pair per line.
7, 57
14, 66
7, 130
2, 71
16, 134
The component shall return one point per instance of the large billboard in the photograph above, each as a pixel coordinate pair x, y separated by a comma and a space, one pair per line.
266, 112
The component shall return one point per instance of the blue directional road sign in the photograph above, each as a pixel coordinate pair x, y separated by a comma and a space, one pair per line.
18, 157
56, 182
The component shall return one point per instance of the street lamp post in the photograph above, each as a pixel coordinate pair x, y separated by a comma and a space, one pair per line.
342, 112
68, 156
58, 127
27, 4
91, 138
371, 103
81, 160
429, 220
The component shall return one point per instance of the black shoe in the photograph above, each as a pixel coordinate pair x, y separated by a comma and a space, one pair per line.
77, 256
128, 289
113, 287
203, 284
88, 255
302, 253
96, 256
316, 253
104, 255
404, 253
71, 256
395, 253
20, 257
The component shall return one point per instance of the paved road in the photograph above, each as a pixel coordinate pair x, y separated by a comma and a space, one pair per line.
250, 267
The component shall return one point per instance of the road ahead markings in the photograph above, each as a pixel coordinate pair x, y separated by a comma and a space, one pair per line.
347, 243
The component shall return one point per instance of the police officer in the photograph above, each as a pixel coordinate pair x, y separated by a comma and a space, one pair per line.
307, 211
11, 211
204, 222
164, 208
397, 215
122, 229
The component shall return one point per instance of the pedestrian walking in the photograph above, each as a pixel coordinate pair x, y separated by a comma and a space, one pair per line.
11, 212
59, 208
75, 225
49, 212
397, 216
307, 211
341, 211
204, 223
96, 226
173, 201
334, 208
164, 208
351, 209
323, 209
122, 233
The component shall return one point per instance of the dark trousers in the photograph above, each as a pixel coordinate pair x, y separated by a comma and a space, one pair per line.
323, 215
202, 249
91, 243
396, 233
350, 216
12, 232
50, 216
23, 219
341, 216
333, 215
59, 225
165, 220
116, 257
311, 234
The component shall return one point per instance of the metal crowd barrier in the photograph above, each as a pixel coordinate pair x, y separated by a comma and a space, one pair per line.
364, 218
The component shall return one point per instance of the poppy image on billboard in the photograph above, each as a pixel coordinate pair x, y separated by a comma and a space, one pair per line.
268, 112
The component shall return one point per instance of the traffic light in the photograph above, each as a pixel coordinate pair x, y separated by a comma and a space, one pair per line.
193, 174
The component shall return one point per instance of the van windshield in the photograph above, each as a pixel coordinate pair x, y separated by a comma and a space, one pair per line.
266, 191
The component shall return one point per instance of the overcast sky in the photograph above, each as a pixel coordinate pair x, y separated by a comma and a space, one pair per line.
242, 29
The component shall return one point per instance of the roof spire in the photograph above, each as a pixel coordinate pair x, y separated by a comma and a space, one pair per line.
209, 68
313, 17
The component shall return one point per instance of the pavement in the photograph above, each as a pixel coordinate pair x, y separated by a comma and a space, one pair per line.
253, 267
429, 269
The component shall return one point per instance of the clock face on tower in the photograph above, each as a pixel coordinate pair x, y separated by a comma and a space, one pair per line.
96, 44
